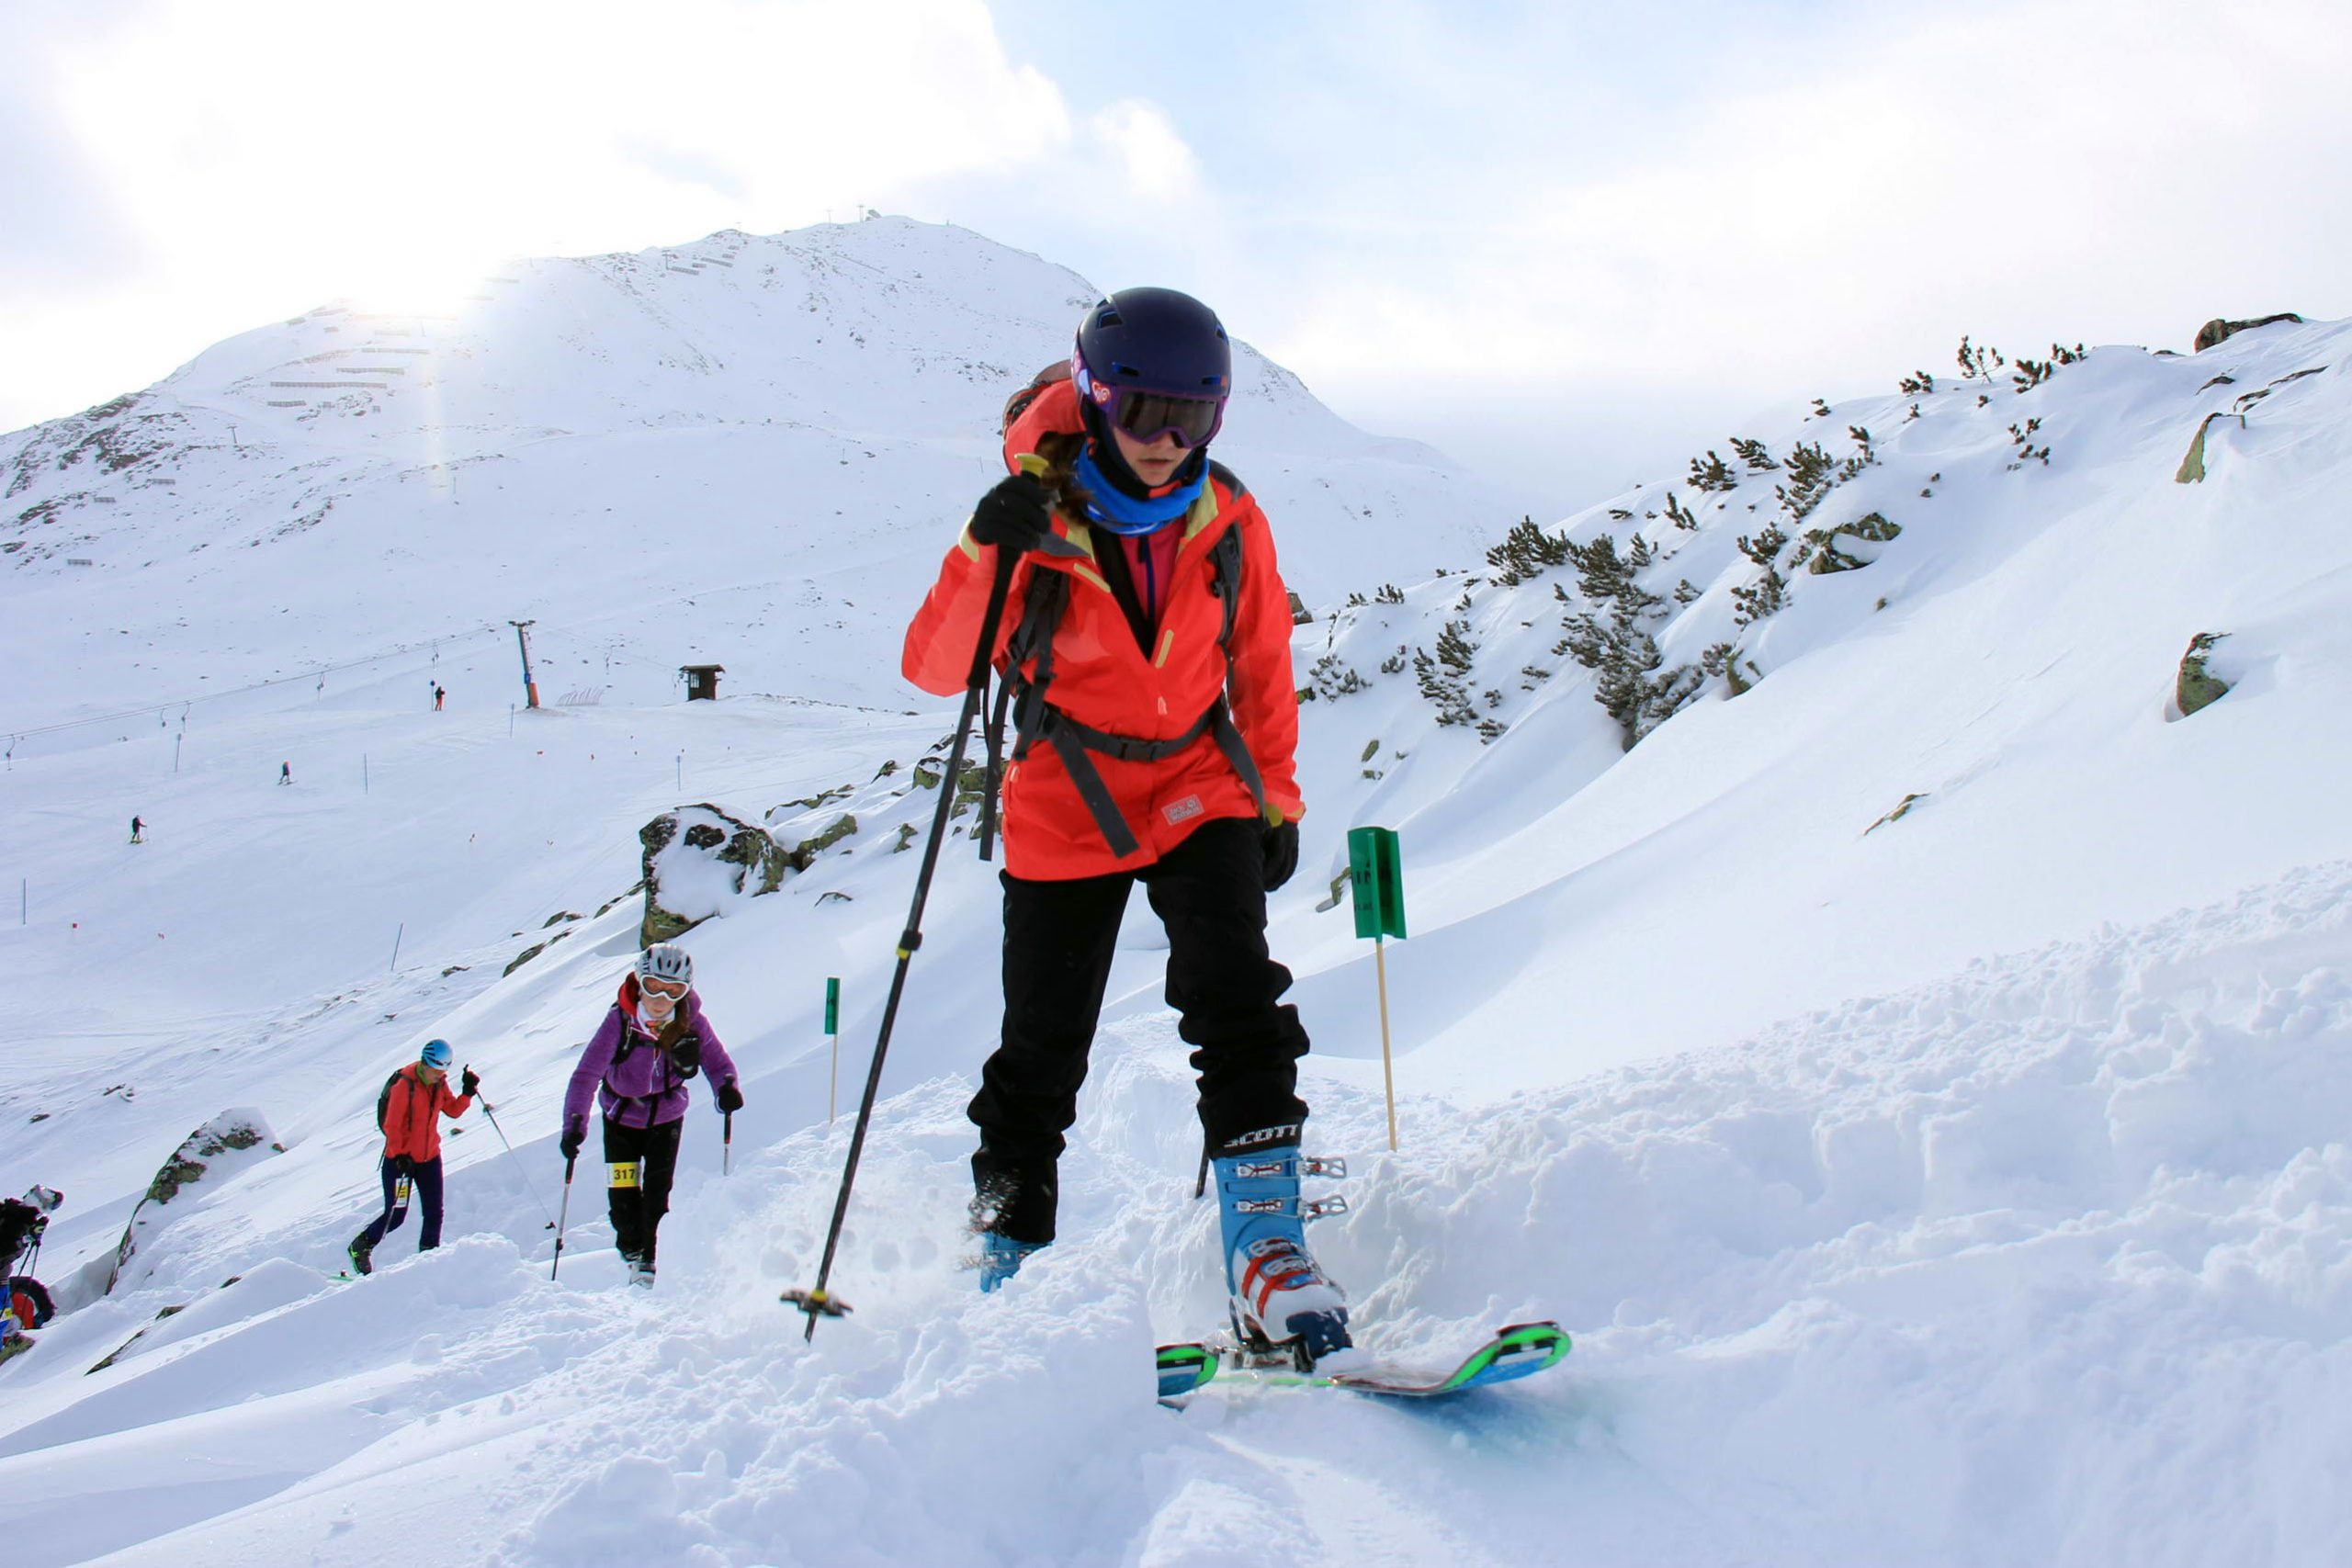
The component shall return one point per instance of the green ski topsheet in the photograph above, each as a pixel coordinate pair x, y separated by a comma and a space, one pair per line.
1520, 1350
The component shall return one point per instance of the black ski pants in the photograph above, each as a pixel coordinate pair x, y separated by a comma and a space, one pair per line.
640, 1163
425, 1183
1059, 938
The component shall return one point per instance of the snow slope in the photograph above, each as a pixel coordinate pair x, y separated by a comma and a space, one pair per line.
714, 451
1972, 1187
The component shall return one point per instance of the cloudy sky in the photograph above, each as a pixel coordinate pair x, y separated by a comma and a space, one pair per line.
1570, 243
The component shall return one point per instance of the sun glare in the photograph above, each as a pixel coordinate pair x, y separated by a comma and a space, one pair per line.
419, 283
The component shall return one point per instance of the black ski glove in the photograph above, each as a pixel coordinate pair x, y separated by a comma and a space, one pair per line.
730, 1099
1015, 517
573, 1136
470, 1084
1282, 853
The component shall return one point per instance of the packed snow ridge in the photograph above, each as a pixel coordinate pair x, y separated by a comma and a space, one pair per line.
1864, 982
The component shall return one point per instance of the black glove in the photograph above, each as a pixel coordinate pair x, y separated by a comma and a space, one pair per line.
573, 1136
1015, 517
685, 1055
1282, 853
470, 1084
730, 1099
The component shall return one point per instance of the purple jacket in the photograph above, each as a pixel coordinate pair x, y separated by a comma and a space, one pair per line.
643, 1089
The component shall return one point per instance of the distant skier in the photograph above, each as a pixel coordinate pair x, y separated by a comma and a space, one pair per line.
652, 1041
1146, 642
23, 1222
135, 825
286, 772
25, 1304
437, 694
409, 1113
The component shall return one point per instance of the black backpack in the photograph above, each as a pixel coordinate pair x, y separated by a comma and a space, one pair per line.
384, 1099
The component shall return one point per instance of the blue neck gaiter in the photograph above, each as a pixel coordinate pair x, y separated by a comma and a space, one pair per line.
1112, 507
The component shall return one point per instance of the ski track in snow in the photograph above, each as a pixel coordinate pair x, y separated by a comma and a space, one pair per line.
1875, 1248
1838, 1297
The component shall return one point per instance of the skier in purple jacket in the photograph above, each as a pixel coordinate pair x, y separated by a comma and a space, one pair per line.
653, 1042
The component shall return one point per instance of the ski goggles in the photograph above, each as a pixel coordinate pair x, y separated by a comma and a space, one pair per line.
672, 990
1147, 416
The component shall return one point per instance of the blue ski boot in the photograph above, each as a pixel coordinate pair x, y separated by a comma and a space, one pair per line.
1279, 1296
1001, 1259
996, 1195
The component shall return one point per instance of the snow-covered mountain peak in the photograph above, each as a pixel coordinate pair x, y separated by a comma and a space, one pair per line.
780, 428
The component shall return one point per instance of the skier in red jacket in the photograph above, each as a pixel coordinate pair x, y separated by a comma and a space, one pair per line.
410, 1113
1146, 644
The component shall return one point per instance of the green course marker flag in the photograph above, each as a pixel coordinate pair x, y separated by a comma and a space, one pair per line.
1376, 871
833, 1033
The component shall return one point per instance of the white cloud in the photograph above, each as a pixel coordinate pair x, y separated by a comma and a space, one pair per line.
273, 154
2071, 167
1153, 160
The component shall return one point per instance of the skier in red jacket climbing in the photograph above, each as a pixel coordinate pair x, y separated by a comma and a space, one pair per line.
1146, 644
409, 1112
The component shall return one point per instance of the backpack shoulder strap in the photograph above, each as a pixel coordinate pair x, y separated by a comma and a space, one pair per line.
1224, 581
1043, 602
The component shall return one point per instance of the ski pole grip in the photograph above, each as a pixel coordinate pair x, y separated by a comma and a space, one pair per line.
569, 1161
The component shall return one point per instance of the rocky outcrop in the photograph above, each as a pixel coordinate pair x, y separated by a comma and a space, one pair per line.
2198, 686
2219, 331
698, 861
228, 1142
1835, 548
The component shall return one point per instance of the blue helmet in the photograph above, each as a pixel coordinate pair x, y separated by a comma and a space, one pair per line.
1153, 360
436, 1054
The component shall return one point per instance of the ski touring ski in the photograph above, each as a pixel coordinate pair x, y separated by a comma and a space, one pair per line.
1518, 1352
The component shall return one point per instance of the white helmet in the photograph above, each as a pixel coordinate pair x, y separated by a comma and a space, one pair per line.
666, 960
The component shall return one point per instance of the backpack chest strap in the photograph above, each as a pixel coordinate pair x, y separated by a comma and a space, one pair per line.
1035, 718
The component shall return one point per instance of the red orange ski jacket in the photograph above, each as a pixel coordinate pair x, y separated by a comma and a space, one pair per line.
1103, 679
413, 1113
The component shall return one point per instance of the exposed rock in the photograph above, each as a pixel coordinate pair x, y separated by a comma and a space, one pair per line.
2219, 331
1870, 528
1902, 809
2192, 467
698, 860
226, 1143
2198, 686
801, 855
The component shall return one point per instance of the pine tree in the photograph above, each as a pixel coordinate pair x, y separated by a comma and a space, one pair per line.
1811, 475
1525, 552
1711, 475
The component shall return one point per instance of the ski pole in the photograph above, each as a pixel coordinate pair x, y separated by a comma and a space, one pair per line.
492, 1114
817, 1302
727, 1144
567, 1161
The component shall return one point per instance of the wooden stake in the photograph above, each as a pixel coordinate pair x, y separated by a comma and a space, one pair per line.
1387, 1071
